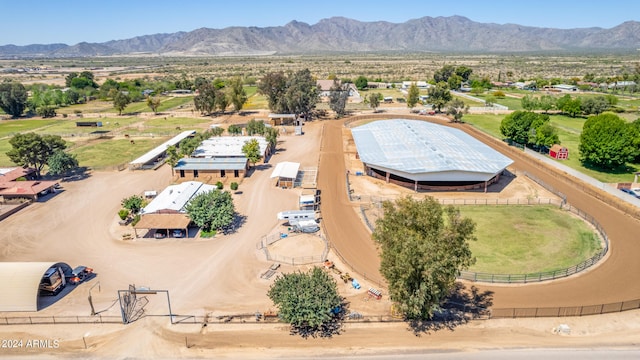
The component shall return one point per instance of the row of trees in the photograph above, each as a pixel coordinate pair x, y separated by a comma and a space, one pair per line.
293, 93
529, 128
217, 95
607, 141
572, 106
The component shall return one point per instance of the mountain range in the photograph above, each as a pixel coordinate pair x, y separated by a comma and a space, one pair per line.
342, 35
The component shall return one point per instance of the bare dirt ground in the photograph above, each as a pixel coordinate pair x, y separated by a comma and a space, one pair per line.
221, 276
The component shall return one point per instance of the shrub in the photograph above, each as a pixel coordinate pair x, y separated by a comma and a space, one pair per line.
123, 213
135, 220
219, 185
234, 186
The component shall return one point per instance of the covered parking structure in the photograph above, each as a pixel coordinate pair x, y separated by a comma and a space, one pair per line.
426, 156
20, 282
286, 172
157, 154
164, 224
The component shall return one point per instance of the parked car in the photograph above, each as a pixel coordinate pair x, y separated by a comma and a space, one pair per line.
635, 192
80, 274
177, 233
160, 234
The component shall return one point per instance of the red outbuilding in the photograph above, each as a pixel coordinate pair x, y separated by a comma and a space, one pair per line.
559, 152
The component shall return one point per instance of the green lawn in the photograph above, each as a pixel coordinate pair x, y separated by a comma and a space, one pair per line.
68, 126
528, 239
106, 153
4, 159
569, 130
12, 127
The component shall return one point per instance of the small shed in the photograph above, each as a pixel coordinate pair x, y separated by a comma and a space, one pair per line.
286, 173
559, 152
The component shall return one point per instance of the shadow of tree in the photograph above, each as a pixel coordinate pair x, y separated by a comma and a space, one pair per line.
334, 326
238, 221
459, 308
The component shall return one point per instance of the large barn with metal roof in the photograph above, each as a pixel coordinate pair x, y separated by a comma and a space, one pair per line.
423, 156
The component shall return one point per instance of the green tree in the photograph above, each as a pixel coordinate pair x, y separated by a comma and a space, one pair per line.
606, 142
546, 103
217, 131
338, 96
457, 108
529, 102
13, 98
173, 157
308, 301
205, 100
212, 210
222, 101
443, 74
273, 86
120, 100
594, 105
61, 162
236, 93
271, 135
424, 248
234, 129
464, 72
413, 96
374, 100
251, 149
302, 94
255, 127
153, 102
439, 95
133, 203
568, 105
489, 101
361, 82
545, 135
46, 111
518, 125
34, 150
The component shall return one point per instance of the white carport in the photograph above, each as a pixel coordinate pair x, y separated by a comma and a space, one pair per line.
286, 172
19, 283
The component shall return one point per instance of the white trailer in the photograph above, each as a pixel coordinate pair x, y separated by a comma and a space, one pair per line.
297, 215
305, 226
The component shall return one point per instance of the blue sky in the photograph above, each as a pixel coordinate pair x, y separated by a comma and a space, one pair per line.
64, 21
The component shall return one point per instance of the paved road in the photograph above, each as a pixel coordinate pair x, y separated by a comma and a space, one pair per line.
615, 279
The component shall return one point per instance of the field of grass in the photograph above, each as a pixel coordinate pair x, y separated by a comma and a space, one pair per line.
12, 127
68, 127
107, 153
569, 130
4, 159
528, 239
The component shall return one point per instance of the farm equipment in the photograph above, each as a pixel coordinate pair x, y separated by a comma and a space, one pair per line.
346, 277
375, 293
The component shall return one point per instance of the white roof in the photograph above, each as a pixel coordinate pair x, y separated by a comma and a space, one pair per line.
307, 199
286, 170
227, 146
19, 283
6, 170
158, 150
422, 151
176, 197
